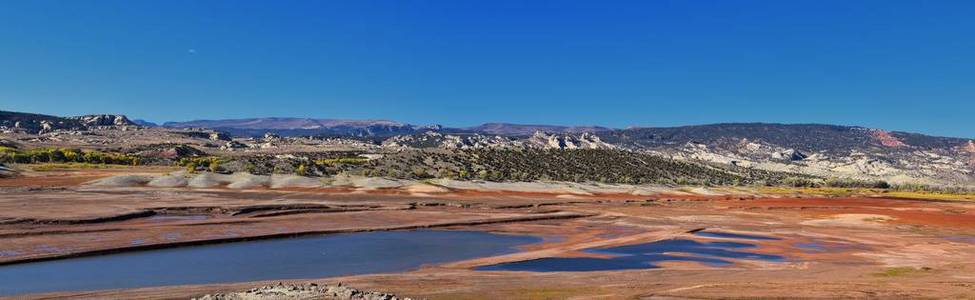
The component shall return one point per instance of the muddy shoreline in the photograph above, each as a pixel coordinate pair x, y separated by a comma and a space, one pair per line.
550, 216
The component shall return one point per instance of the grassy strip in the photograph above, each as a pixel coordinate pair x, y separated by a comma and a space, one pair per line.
931, 195
902, 271
846, 192
43, 167
344, 160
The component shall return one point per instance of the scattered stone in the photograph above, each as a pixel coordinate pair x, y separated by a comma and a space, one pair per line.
282, 291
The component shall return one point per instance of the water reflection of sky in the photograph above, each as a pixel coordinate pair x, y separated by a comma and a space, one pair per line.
643, 256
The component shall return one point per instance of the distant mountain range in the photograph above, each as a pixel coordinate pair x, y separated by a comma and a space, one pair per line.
814, 149
508, 129
303, 127
802, 136
373, 128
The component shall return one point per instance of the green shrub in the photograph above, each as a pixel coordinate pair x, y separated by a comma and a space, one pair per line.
193, 164
65, 155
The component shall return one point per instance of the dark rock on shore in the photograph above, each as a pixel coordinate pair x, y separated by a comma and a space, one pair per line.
7, 172
303, 291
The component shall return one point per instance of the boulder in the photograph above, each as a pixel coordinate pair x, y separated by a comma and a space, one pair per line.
8, 144
232, 145
795, 155
6, 172
219, 136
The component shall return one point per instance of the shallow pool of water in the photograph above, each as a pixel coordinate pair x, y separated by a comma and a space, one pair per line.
171, 218
307, 257
962, 238
811, 247
728, 235
643, 256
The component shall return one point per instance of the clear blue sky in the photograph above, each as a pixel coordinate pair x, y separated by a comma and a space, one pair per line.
902, 65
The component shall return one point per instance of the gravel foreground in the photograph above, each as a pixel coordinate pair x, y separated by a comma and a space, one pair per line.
303, 291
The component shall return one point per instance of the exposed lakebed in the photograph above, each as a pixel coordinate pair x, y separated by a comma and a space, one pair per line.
307, 257
647, 255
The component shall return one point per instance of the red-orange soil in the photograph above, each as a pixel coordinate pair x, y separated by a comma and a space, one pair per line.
865, 238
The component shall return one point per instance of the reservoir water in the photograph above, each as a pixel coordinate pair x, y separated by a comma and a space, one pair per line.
306, 257
643, 256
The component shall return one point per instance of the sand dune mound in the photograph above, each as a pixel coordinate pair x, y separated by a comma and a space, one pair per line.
365, 183
172, 180
286, 181
248, 181
205, 180
121, 181
426, 188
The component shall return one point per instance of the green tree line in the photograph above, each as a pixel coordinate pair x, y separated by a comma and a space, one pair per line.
65, 155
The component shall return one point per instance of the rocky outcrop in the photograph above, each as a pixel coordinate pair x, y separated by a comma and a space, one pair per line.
282, 291
219, 136
566, 141
433, 139
35, 123
8, 144
790, 155
168, 151
104, 120
970, 148
540, 140
232, 145
39, 124
886, 139
6, 172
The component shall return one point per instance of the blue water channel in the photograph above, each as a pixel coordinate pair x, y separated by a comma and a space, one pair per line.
291, 258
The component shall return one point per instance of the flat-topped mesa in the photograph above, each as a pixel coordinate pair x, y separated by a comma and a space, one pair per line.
38, 123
